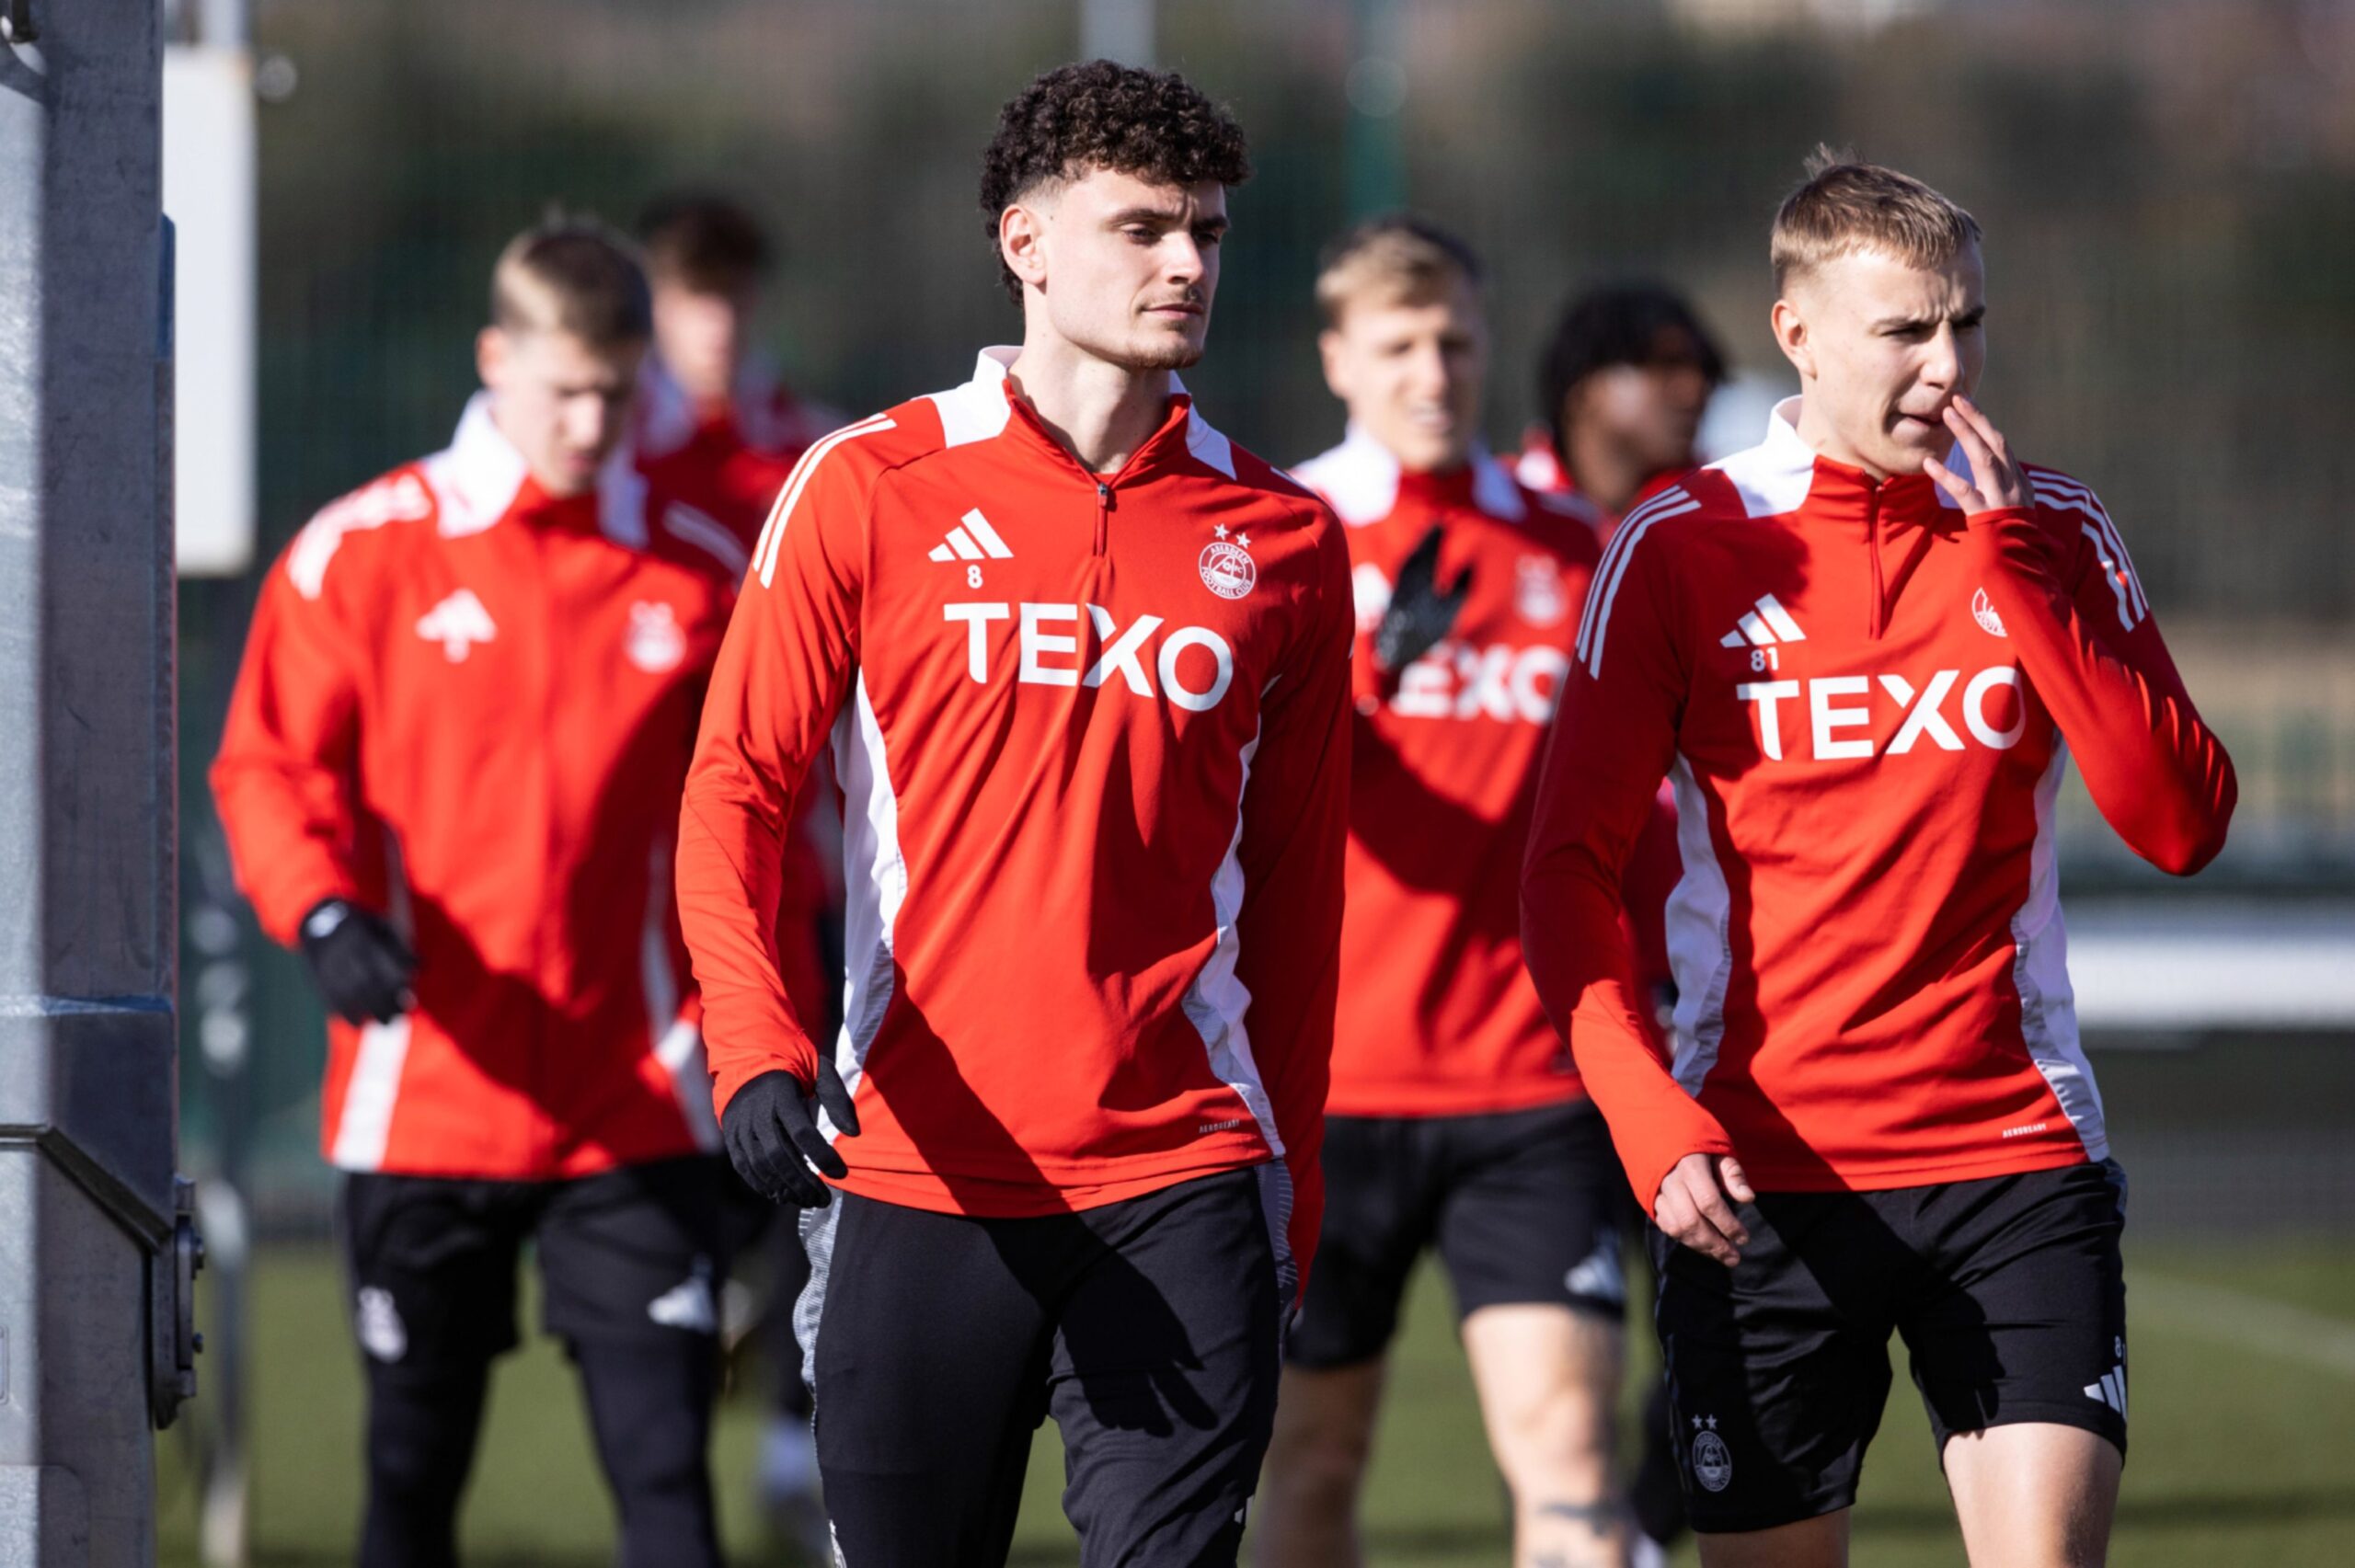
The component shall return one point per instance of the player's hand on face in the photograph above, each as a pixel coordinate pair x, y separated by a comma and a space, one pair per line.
362, 965
1695, 1205
1996, 480
774, 1141
1420, 611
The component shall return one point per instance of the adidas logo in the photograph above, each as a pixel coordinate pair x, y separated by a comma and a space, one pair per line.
2112, 1389
973, 540
457, 624
1764, 627
689, 1304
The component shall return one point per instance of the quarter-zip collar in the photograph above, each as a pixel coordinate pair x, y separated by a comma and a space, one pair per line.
480, 480
1364, 483
1785, 477
987, 405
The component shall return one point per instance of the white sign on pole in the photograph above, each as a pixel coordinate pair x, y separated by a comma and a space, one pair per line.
208, 179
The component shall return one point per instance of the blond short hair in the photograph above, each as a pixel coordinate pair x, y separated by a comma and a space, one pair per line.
1398, 258
572, 275
1846, 205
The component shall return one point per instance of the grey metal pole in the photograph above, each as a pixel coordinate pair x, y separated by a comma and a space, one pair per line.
94, 1242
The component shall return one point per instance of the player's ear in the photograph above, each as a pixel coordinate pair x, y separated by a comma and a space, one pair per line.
1021, 239
1791, 337
491, 356
1330, 350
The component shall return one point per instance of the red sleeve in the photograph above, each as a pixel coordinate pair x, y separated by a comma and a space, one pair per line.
1611, 743
789, 655
285, 780
1295, 822
2156, 771
1653, 869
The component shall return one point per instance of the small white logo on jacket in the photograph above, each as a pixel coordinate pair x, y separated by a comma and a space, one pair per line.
1983, 611
457, 624
1537, 592
974, 539
654, 643
1226, 565
1764, 626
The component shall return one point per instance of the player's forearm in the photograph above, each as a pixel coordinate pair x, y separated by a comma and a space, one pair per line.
290, 833
727, 887
1578, 956
2157, 772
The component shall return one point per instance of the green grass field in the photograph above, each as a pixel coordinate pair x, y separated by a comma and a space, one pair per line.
2244, 1412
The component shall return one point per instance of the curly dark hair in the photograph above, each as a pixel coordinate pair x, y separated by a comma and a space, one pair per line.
1619, 324
1153, 124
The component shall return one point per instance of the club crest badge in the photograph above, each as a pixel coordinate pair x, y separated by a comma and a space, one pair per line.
1226, 565
1712, 1460
1983, 611
1537, 592
654, 642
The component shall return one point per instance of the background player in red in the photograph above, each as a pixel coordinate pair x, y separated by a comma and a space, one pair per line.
1866, 650
1085, 665
1622, 386
449, 775
709, 401
1455, 1119
714, 420
1623, 383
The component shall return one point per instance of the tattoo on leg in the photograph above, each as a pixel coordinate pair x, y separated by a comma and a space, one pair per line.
1596, 1516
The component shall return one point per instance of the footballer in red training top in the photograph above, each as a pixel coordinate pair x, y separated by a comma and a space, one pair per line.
1456, 1122
1084, 665
465, 710
1865, 651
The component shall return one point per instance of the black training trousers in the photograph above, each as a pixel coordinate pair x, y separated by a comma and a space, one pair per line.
1147, 1328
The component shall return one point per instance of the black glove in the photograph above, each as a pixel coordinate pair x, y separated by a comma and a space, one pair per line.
1420, 613
362, 965
773, 1141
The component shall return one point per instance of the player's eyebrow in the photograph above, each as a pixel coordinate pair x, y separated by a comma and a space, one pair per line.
1214, 222
1971, 317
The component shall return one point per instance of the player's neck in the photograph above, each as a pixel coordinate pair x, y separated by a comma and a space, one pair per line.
1101, 412
1816, 430
1605, 472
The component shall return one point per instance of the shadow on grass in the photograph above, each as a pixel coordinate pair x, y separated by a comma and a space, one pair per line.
2189, 1509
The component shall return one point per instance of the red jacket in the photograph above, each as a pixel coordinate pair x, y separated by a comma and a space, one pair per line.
732, 457
1093, 737
1438, 1016
472, 706
1866, 705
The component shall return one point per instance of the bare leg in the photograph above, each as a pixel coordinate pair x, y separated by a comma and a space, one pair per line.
1548, 1379
1307, 1516
2034, 1495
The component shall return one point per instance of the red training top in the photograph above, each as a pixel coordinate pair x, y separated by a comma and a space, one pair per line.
1866, 703
1092, 733
1438, 1016
471, 704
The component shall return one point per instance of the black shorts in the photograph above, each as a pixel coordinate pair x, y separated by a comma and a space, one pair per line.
1523, 1207
937, 1343
623, 1255
2009, 1292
